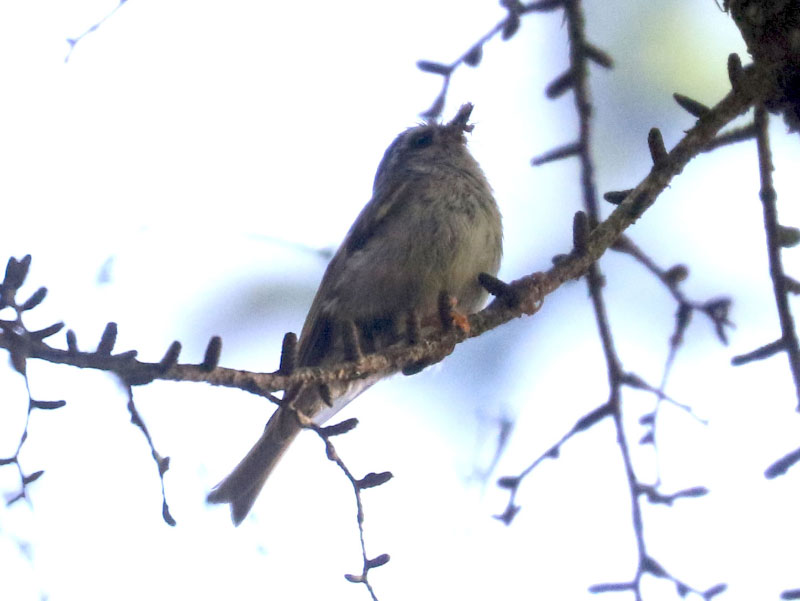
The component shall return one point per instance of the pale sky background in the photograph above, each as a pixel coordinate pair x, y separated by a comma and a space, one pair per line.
177, 176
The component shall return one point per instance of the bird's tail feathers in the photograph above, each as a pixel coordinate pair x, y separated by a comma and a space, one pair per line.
242, 486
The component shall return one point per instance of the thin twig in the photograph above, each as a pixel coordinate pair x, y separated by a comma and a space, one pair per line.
595, 279
369, 481
506, 28
771, 227
94, 27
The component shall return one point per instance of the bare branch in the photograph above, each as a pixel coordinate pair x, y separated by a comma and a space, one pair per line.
772, 228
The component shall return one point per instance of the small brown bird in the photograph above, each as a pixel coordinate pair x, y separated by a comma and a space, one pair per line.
432, 225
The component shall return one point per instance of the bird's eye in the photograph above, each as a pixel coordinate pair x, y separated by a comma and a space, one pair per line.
422, 139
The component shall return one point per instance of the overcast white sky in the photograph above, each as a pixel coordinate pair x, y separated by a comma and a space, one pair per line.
196, 155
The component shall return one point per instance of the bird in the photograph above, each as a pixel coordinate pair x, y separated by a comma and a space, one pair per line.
431, 226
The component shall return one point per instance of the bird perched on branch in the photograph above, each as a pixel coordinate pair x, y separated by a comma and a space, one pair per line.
431, 226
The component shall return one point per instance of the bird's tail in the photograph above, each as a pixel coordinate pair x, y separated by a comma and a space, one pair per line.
242, 486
